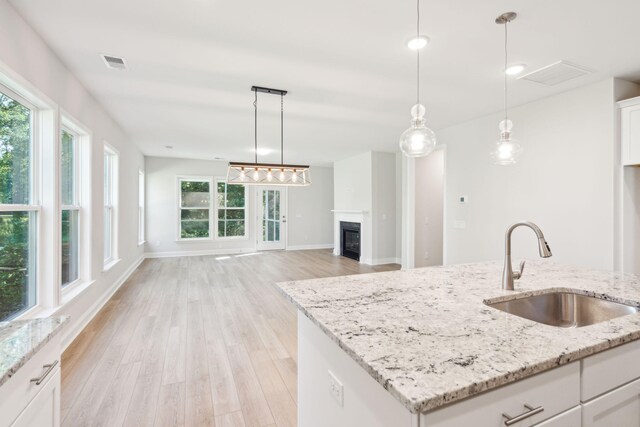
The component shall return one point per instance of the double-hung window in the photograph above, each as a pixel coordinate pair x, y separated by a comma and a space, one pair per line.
110, 204
231, 206
195, 208
70, 201
18, 206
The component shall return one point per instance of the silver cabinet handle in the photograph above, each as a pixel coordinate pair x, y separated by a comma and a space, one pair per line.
49, 367
530, 413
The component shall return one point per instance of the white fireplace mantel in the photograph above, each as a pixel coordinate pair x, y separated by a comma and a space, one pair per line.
361, 217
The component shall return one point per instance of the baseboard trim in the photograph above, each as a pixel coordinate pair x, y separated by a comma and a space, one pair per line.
198, 253
309, 247
380, 261
71, 334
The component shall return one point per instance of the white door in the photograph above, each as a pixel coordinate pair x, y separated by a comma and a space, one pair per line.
619, 408
272, 211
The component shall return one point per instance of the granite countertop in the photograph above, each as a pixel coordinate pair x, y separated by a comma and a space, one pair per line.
426, 336
21, 339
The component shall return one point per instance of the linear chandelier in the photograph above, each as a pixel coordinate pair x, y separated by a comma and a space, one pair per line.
268, 173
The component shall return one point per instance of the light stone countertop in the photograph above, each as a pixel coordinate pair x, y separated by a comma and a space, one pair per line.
21, 339
426, 336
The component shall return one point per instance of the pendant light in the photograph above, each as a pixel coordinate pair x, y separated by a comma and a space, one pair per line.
268, 173
507, 150
418, 140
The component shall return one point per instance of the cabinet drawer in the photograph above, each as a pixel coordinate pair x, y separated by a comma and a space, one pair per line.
16, 393
619, 408
610, 369
571, 418
556, 391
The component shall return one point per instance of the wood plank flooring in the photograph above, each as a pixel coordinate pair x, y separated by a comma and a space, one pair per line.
195, 341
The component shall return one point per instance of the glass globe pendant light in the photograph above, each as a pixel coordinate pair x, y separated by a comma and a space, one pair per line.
418, 140
507, 149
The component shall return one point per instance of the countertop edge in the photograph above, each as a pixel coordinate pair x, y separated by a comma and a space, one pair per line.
10, 372
463, 393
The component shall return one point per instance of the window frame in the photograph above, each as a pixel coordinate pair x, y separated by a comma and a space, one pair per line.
112, 205
245, 208
33, 208
77, 197
193, 178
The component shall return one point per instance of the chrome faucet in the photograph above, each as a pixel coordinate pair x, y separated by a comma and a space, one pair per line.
508, 275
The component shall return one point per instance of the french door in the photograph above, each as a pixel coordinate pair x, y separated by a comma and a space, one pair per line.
272, 211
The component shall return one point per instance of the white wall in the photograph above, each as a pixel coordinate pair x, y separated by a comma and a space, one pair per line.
26, 60
312, 229
368, 182
310, 221
429, 206
563, 181
384, 207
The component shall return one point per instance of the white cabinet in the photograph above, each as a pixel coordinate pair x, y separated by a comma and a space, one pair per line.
630, 130
546, 394
44, 409
619, 408
571, 418
31, 397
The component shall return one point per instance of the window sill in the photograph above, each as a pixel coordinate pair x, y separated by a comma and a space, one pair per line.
73, 290
109, 265
196, 240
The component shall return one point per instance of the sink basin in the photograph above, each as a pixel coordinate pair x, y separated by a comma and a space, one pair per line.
564, 309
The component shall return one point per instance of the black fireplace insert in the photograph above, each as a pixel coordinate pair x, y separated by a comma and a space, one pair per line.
350, 240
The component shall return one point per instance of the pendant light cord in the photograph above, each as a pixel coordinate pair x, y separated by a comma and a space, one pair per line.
505, 72
255, 124
282, 129
418, 51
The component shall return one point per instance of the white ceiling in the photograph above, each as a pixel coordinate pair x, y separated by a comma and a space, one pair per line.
350, 77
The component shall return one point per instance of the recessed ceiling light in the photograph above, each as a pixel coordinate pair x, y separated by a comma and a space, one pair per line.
418, 42
515, 69
169, 147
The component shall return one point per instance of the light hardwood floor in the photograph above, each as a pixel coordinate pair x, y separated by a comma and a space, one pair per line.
195, 341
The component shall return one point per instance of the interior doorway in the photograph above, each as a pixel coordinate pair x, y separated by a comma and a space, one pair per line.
272, 220
429, 209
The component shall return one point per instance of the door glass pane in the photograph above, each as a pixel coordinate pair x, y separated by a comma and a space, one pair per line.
221, 228
69, 246
67, 170
17, 271
195, 194
276, 208
235, 213
270, 231
264, 230
271, 204
15, 152
277, 231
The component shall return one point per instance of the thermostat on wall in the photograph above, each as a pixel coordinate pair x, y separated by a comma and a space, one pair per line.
463, 199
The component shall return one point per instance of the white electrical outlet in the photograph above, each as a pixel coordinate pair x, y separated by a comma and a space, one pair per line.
336, 389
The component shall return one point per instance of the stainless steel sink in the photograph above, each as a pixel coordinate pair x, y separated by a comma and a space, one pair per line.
564, 309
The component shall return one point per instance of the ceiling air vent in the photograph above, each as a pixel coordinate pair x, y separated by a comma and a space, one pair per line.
114, 62
556, 73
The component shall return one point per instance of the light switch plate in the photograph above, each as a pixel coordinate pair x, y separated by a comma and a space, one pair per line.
336, 389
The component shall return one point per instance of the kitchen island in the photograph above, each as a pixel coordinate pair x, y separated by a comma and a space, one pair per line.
421, 348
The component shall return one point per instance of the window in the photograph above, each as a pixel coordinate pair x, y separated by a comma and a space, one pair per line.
195, 208
18, 212
110, 200
140, 207
231, 208
69, 199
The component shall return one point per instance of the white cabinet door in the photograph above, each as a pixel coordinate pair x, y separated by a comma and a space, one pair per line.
619, 408
44, 409
571, 418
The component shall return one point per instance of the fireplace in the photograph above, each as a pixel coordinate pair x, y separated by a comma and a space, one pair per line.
350, 239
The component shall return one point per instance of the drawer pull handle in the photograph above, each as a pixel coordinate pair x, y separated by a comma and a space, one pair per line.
530, 413
49, 367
